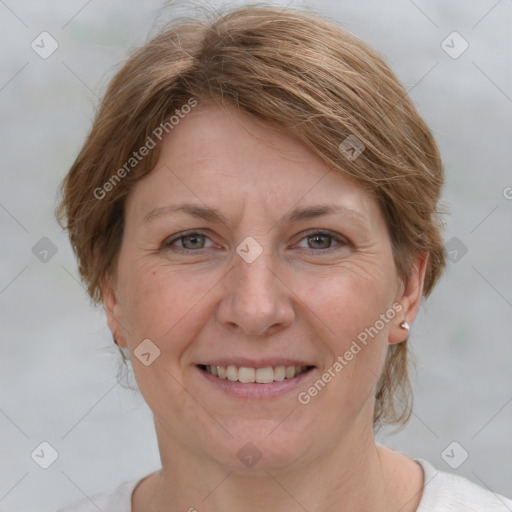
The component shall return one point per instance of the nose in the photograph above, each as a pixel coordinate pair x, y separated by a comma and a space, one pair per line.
256, 297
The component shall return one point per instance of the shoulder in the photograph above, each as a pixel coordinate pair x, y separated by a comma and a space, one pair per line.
448, 492
117, 500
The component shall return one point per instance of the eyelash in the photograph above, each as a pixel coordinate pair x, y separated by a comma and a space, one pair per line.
168, 244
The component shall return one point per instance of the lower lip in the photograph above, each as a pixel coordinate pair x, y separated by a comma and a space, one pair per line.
253, 389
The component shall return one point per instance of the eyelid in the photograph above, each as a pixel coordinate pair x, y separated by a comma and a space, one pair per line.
168, 242
341, 240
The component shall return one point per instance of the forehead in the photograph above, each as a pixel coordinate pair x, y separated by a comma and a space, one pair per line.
235, 140
225, 159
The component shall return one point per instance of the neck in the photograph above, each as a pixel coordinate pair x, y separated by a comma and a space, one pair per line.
354, 475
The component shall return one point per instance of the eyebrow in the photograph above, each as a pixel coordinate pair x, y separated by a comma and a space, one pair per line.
295, 215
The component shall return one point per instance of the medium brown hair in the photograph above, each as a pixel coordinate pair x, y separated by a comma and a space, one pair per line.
295, 69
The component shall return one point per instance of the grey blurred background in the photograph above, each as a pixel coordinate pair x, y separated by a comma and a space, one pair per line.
58, 365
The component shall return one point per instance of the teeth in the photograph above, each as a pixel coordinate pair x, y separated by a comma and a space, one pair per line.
265, 375
279, 373
259, 375
232, 373
246, 374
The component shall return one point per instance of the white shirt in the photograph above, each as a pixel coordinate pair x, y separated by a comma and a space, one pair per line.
442, 492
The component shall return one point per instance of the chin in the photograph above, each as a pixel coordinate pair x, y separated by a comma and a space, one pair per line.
261, 447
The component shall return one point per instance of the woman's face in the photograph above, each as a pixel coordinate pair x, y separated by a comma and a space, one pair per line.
227, 260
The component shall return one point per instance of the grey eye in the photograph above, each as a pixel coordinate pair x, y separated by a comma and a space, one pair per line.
319, 241
193, 241
322, 241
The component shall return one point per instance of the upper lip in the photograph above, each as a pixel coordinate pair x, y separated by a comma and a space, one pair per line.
253, 363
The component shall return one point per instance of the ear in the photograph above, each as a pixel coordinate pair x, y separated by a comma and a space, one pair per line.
114, 312
410, 300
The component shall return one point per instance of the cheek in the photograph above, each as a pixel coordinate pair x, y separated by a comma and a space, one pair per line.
354, 312
163, 304
349, 300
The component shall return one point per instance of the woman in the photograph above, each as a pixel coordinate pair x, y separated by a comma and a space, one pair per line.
255, 206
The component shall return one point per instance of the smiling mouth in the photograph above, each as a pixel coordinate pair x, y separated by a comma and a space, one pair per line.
249, 375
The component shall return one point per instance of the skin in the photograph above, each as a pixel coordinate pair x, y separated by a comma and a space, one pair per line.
303, 298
